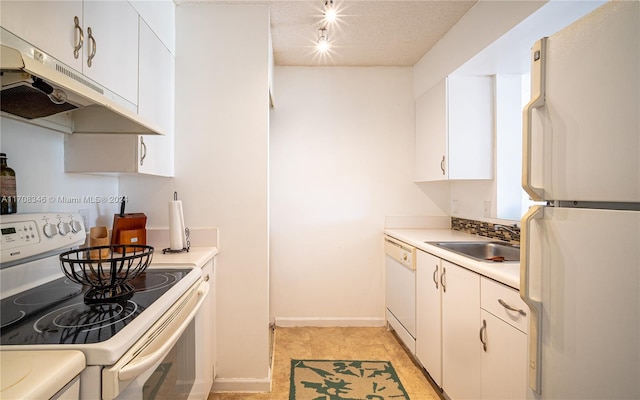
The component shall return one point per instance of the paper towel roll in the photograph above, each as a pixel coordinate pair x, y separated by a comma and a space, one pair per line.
176, 225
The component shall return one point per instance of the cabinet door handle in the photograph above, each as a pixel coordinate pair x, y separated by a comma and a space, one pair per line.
483, 332
435, 276
78, 29
143, 150
442, 165
510, 308
93, 47
444, 287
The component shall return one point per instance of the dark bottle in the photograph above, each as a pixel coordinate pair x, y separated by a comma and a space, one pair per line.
8, 200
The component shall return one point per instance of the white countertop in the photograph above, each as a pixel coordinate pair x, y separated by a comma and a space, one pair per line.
37, 374
195, 256
504, 272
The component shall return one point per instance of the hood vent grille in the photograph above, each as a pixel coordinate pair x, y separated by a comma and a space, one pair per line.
78, 78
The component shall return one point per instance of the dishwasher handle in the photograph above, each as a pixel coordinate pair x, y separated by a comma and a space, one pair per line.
403, 253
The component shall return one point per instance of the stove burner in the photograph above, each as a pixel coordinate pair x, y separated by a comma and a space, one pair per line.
48, 296
96, 316
124, 291
109, 294
30, 301
147, 282
11, 316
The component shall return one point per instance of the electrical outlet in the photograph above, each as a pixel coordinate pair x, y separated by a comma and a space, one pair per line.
455, 205
84, 213
486, 209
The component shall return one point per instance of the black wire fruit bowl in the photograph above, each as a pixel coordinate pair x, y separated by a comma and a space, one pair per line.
107, 269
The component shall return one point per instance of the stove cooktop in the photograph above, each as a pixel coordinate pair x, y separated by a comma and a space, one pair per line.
55, 313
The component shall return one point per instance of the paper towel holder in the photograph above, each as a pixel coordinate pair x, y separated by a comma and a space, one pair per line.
186, 237
184, 249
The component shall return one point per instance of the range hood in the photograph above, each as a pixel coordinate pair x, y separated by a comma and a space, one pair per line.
53, 95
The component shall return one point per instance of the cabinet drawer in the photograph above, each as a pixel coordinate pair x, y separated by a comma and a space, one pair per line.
496, 298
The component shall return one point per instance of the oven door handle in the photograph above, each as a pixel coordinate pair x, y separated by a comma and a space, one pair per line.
158, 343
141, 363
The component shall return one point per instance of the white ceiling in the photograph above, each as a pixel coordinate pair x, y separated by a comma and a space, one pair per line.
367, 33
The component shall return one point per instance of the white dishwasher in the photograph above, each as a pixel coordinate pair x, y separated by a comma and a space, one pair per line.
400, 289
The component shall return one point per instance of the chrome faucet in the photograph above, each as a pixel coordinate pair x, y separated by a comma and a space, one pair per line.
497, 227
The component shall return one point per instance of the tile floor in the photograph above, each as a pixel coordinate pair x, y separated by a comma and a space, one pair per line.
335, 344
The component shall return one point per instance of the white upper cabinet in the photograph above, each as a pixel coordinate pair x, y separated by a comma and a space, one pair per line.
99, 39
145, 154
157, 99
431, 134
47, 25
160, 16
454, 130
111, 46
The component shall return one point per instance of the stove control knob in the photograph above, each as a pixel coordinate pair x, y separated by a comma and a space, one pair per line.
50, 230
64, 228
76, 226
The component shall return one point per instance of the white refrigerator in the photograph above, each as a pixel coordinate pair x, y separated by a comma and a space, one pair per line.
580, 268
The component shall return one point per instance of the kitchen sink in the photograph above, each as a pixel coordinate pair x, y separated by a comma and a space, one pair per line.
483, 251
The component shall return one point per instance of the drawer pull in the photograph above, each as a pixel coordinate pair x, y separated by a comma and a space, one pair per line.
508, 307
435, 275
483, 332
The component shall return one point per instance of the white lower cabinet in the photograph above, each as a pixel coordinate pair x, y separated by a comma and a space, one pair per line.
504, 359
208, 327
460, 341
471, 332
428, 314
503, 369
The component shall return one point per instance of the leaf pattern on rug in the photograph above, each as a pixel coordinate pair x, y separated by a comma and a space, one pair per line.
345, 380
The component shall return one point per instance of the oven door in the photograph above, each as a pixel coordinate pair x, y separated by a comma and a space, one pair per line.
163, 361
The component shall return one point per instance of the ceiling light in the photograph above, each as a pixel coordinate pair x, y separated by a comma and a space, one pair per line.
329, 11
323, 41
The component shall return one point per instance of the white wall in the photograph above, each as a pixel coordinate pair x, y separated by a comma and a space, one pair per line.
341, 159
221, 173
37, 156
482, 25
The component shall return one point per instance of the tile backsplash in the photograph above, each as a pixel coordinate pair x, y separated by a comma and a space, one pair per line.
486, 229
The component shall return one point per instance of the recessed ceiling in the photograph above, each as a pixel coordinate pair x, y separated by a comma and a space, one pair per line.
368, 33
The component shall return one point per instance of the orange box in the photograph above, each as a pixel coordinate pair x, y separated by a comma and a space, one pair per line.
129, 229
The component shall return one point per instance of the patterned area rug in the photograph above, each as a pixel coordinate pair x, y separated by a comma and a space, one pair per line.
345, 380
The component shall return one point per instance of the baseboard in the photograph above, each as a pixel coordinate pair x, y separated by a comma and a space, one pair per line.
329, 322
241, 385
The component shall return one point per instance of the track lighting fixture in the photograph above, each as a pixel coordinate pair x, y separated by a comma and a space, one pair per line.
329, 20
323, 40
329, 11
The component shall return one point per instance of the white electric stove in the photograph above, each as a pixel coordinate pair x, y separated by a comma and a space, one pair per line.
129, 343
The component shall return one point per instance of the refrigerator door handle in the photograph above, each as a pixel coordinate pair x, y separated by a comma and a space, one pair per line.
535, 307
538, 85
